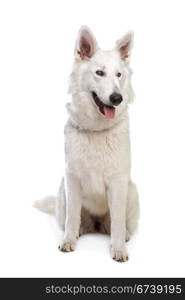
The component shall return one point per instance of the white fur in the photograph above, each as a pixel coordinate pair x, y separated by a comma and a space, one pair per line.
47, 205
97, 150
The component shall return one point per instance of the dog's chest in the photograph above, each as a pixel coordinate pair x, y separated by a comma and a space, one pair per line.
96, 159
95, 155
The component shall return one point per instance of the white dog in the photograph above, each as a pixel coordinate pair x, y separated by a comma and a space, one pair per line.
97, 193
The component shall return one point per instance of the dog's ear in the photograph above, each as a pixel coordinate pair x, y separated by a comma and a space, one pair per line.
124, 46
86, 44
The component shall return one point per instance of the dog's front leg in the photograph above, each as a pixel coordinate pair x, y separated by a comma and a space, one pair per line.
117, 199
73, 214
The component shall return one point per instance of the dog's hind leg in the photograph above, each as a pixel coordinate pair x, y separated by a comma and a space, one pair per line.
132, 212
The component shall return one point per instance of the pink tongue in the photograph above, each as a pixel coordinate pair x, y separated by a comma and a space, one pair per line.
109, 112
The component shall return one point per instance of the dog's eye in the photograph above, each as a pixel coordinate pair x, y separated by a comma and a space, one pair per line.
100, 73
118, 74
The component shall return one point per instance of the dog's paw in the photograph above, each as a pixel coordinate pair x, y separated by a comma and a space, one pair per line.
119, 255
67, 246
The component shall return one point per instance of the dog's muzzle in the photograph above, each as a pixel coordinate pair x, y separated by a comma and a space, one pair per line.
107, 110
116, 99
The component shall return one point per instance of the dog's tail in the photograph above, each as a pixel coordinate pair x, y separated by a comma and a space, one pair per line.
46, 205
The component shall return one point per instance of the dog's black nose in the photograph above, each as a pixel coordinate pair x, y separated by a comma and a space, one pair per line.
115, 98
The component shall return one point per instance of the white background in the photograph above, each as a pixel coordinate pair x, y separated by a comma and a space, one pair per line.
36, 53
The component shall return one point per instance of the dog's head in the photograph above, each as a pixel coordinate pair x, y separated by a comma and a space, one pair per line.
100, 81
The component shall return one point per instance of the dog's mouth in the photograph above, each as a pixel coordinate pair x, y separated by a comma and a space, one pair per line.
108, 111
